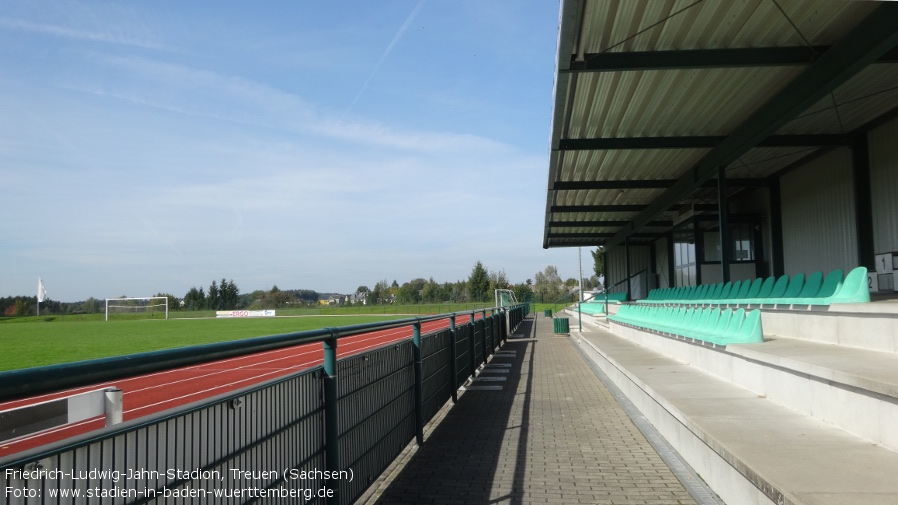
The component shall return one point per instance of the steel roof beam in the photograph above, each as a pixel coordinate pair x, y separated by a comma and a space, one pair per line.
598, 235
624, 208
868, 41
705, 58
694, 142
604, 224
647, 184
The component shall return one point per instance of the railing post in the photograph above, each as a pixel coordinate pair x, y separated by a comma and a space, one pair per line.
331, 414
419, 386
471, 343
453, 350
483, 339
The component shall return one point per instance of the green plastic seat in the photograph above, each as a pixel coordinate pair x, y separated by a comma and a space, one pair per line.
751, 331
755, 289
702, 320
734, 292
743, 291
710, 323
714, 293
701, 293
719, 327
854, 288
829, 287
779, 288
811, 287
795, 286
724, 293
766, 289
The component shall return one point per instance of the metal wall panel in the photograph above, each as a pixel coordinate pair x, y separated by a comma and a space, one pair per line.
819, 230
883, 143
640, 259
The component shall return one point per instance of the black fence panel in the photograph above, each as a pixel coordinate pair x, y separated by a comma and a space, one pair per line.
463, 337
200, 455
377, 412
437, 380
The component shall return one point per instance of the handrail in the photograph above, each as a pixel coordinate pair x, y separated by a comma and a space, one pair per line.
17, 384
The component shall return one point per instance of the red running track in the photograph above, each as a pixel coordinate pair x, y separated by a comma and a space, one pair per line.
147, 394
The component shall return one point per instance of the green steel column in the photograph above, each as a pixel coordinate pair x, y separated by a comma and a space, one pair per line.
331, 413
453, 349
419, 387
471, 340
483, 337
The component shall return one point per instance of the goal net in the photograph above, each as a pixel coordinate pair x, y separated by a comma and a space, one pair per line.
505, 298
151, 307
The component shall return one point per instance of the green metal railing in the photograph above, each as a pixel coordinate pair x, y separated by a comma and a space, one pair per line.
351, 416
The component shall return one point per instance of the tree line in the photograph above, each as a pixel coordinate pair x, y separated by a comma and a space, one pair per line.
225, 295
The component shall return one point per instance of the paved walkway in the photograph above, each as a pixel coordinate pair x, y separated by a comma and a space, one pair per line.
552, 434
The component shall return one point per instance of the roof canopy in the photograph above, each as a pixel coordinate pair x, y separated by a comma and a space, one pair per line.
653, 99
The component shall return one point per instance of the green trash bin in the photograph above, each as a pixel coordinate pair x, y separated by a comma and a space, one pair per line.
548, 313
562, 325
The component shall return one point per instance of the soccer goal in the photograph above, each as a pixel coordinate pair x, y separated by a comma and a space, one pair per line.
505, 298
150, 307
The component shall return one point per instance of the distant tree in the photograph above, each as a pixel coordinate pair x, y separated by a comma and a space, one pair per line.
363, 289
522, 292
411, 292
275, 298
213, 299
598, 260
498, 280
172, 301
195, 299
380, 294
229, 294
22, 307
432, 292
479, 283
548, 286
90, 306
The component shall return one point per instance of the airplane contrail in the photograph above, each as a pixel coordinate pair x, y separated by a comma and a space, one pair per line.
402, 29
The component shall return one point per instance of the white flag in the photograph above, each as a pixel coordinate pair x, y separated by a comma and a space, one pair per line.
41, 290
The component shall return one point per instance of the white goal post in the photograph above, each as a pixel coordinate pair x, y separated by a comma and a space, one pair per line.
140, 305
505, 298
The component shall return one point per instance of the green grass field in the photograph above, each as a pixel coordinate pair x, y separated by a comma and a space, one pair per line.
27, 342
30, 342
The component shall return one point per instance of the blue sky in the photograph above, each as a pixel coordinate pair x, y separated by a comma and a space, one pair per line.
155, 146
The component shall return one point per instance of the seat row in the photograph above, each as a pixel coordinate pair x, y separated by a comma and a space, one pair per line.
785, 290
596, 305
714, 325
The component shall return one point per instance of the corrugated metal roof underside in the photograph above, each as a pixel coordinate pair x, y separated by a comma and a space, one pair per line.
699, 102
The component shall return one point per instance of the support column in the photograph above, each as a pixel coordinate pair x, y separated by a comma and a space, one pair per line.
723, 221
863, 205
776, 228
671, 265
699, 239
628, 267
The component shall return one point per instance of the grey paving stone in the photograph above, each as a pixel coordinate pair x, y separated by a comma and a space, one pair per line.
554, 434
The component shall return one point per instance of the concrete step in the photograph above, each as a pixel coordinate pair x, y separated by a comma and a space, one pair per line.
853, 389
872, 326
748, 447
